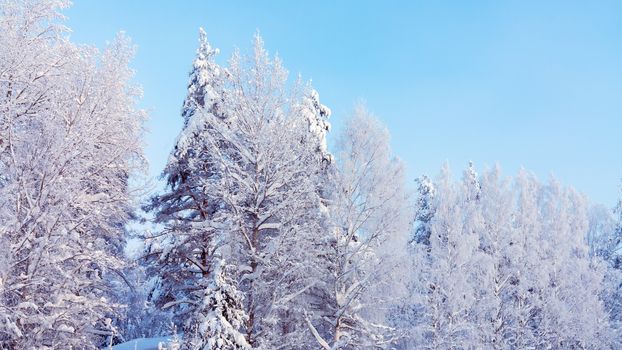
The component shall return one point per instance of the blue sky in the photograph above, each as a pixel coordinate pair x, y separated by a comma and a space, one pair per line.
522, 83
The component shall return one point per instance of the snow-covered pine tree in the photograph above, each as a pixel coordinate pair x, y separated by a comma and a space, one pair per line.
317, 116
179, 256
424, 210
216, 324
69, 140
405, 312
368, 211
206, 81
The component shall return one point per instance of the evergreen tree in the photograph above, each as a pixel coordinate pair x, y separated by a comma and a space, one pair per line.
424, 210
206, 81
216, 324
180, 255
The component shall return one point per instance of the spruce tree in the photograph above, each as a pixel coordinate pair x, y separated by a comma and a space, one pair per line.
219, 317
180, 255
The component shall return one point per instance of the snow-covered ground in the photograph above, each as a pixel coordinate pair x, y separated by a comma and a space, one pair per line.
143, 344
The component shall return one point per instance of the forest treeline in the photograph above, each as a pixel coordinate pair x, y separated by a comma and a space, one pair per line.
263, 237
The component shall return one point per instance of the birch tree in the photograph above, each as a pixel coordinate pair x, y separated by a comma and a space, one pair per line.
69, 140
271, 205
368, 212
502, 267
445, 292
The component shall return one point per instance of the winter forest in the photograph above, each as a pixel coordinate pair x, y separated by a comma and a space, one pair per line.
263, 236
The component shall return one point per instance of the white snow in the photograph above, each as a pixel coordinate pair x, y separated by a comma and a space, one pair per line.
143, 344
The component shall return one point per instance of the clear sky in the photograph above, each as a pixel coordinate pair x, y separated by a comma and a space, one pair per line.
522, 83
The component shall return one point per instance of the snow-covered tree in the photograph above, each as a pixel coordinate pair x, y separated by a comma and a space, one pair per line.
502, 267
424, 210
568, 316
317, 116
368, 213
271, 208
495, 268
206, 81
140, 317
254, 152
445, 291
69, 140
216, 324
604, 234
405, 312
180, 254
608, 239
